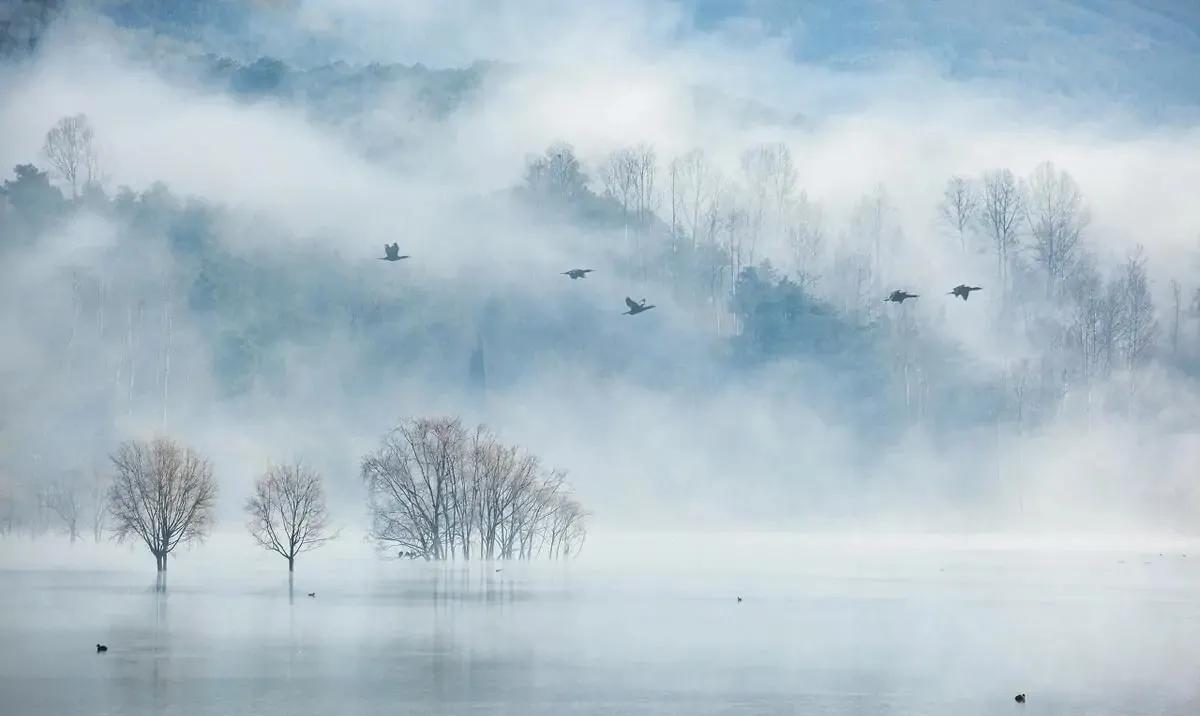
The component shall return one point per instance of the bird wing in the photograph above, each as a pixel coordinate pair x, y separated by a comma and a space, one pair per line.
630, 302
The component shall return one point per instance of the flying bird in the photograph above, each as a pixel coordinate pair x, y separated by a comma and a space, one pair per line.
392, 253
1020, 698
899, 297
963, 291
577, 273
313, 595
636, 307
100, 648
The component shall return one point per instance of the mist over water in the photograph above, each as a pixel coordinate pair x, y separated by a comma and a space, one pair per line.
925, 507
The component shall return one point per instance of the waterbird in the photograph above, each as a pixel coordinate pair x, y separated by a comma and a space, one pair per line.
313, 595
739, 600
392, 253
577, 273
963, 291
899, 296
100, 648
1020, 698
636, 307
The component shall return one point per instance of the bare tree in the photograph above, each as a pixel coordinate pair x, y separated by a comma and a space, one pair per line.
64, 500
770, 177
1057, 217
694, 184
70, 147
806, 238
162, 493
287, 511
960, 202
1140, 325
409, 482
1001, 208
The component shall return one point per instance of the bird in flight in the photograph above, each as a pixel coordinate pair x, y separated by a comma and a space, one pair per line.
392, 253
313, 595
577, 273
963, 291
636, 307
899, 296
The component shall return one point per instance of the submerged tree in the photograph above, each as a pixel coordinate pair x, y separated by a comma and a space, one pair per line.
439, 492
287, 511
162, 493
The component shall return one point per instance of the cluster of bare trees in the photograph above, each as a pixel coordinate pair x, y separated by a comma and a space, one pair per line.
444, 491
1048, 207
72, 502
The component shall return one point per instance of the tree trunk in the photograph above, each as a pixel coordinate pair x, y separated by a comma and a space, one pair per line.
292, 563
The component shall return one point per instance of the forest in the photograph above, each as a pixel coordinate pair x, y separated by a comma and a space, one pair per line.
146, 307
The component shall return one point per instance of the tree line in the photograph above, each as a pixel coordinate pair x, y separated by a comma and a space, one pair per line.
436, 491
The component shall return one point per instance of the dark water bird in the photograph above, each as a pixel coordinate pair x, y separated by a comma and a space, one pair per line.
313, 595
1020, 698
739, 600
636, 307
100, 648
577, 273
963, 291
899, 297
392, 253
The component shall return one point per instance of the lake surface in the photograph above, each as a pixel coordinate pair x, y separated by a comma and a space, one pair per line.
823, 629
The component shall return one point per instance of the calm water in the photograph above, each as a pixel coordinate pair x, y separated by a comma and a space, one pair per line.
849, 631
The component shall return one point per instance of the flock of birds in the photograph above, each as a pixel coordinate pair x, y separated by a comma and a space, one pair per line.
962, 290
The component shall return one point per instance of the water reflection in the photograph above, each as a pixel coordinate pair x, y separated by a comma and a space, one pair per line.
950, 634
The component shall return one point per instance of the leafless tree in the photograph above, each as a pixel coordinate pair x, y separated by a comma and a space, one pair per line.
770, 177
1001, 209
65, 500
1057, 217
70, 147
287, 511
960, 202
694, 185
806, 238
409, 481
1140, 325
617, 178
162, 493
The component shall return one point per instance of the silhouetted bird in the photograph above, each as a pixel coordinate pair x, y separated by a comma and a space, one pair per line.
636, 307
899, 297
963, 291
392, 253
313, 595
577, 273
100, 648
739, 600
1020, 698
500, 570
